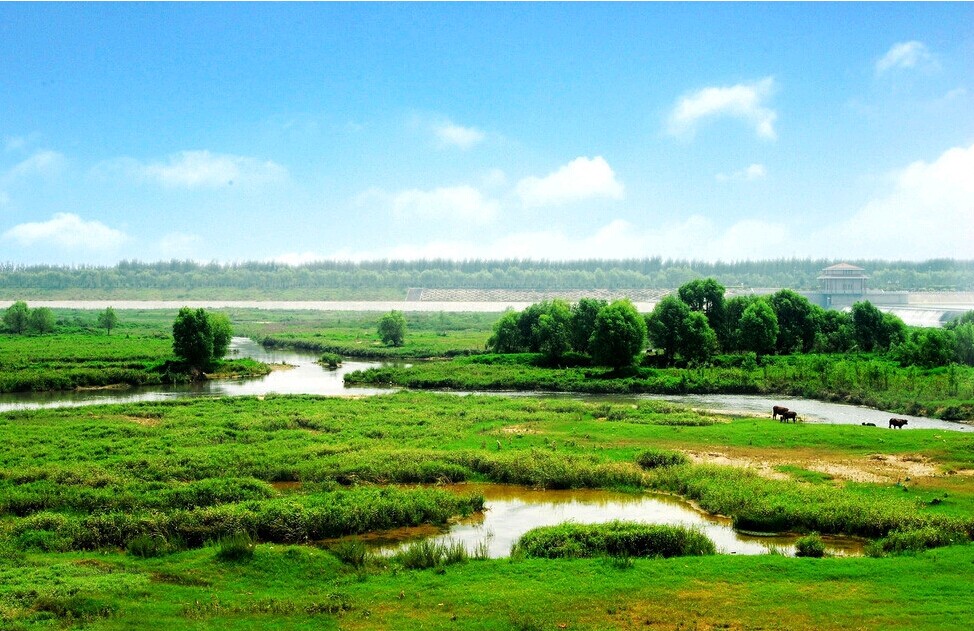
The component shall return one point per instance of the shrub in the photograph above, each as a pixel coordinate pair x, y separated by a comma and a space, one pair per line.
331, 360
146, 546
616, 538
351, 552
428, 553
810, 546
236, 547
919, 539
654, 458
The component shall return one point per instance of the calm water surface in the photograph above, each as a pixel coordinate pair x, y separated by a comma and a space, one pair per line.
510, 511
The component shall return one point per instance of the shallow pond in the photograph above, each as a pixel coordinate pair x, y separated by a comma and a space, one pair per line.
510, 511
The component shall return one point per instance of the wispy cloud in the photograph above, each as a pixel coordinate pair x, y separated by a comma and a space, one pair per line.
912, 54
460, 204
696, 237
582, 178
928, 213
463, 203
745, 101
69, 231
452, 135
751, 173
179, 245
199, 169
44, 162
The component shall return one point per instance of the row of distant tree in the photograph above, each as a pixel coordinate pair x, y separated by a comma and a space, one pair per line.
698, 322
19, 318
649, 273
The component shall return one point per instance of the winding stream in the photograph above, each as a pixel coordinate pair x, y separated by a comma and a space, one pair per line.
302, 375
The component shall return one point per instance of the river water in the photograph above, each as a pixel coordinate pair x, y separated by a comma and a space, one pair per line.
302, 375
510, 511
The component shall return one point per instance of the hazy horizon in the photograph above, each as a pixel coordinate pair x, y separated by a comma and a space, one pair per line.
367, 132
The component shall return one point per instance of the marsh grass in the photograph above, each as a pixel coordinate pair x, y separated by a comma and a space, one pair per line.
615, 538
810, 546
236, 547
655, 458
428, 554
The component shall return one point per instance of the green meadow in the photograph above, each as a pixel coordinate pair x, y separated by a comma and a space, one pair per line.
207, 513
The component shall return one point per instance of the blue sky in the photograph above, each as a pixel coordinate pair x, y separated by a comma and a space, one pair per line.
298, 132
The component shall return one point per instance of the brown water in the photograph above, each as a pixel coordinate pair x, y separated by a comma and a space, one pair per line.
511, 511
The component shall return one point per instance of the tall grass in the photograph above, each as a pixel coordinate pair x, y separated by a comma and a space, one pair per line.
616, 538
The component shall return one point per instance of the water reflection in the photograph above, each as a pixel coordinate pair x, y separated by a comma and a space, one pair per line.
302, 375
510, 511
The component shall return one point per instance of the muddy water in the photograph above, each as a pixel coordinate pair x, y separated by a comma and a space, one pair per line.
510, 511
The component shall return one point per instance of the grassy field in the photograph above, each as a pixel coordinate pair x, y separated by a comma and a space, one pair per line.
354, 334
112, 517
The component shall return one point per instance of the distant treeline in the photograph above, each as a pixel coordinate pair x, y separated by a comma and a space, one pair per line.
342, 278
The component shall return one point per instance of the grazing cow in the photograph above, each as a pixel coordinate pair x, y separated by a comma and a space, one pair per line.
868, 424
789, 415
898, 423
777, 409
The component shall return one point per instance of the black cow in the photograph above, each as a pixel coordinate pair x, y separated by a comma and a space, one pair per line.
777, 410
789, 415
898, 423
868, 424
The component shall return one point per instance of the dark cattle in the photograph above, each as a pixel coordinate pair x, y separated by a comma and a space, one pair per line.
778, 410
789, 415
898, 423
868, 424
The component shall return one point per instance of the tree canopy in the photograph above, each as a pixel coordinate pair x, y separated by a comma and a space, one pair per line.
619, 335
200, 338
392, 328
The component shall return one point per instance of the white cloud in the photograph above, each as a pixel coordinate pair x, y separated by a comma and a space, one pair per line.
201, 169
582, 178
453, 135
179, 245
67, 230
743, 101
751, 173
910, 54
929, 213
696, 237
458, 203
295, 259
43, 162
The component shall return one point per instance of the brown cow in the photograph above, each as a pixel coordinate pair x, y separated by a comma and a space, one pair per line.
789, 415
898, 423
777, 409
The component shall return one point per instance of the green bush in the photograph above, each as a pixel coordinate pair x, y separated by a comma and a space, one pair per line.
616, 538
236, 547
351, 552
919, 539
810, 546
427, 553
654, 458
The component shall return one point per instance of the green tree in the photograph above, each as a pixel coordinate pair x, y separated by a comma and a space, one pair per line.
392, 328
698, 342
797, 325
552, 333
107, 319
41, 320
506, 337
665, 325
964, 343
222, 333
875, 330
835, 333
619, 335
707, 296
16, 317
200, 338
582, 325
759, 328
927, 348
734, 309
